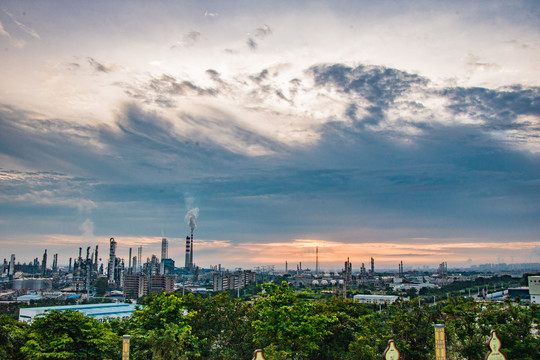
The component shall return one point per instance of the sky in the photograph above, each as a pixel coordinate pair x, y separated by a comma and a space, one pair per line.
402, 131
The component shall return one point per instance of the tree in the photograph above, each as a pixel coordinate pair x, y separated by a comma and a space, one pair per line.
12, 338
409, 324
70, 335
102, 285
286, 327
225, 324
161, 330
343, 331
514, 325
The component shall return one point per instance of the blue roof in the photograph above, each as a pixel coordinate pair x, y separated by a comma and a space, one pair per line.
29, 297
97, 311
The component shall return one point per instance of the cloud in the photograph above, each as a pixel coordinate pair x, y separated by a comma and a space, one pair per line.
210, 14
53, 198
3, 32
263, 31
23, 27
87, 229
475, 64
97, 66
325, 153
251, 44
188, 40
379, 85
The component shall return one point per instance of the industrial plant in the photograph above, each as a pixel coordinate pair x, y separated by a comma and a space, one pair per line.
88, 276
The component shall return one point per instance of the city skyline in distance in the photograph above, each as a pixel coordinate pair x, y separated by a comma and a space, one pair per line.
387, 130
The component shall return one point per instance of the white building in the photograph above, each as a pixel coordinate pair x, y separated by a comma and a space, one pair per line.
97, 311
534, 289
375, 299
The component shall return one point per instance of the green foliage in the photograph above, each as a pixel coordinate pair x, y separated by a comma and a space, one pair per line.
225, 323
465, 334
69, 335
160, 330
409, 324
102, 285
12, 338
287, 327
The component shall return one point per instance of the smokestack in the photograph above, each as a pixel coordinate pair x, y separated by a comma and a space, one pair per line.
191, 252
188, 253
96, 258
191, 220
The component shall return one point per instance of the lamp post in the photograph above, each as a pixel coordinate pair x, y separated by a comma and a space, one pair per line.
125, 347
440, 344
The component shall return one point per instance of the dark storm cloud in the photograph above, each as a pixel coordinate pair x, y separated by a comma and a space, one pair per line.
48, 144
497, 107
145, 141
378, 84
224, 123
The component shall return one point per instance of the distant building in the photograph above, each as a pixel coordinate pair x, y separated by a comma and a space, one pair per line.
166, 266
375, 299
32, 284
519, 293
135, 286
231, 281
97, 311
138, 285
164, 248
31, 297
534, 289
159, 283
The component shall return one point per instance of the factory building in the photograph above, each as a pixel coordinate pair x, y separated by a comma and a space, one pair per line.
534, 289
97, 311
375, 299
115, 267
32, 284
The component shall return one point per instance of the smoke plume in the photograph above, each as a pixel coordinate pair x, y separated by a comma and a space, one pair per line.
191, 218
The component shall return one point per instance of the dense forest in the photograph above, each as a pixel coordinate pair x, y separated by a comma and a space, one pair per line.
286, 324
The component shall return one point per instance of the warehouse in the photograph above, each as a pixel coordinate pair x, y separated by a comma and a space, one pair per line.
97, 311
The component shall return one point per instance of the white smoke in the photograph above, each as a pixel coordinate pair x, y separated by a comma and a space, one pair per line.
191, 218
87, 228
